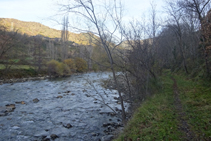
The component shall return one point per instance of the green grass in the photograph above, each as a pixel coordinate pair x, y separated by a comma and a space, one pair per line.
16, 67
156, 119
196, 100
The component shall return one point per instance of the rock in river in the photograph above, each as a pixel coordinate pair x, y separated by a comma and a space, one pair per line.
59, 97
68, 126
10, 107
35, 100
20, 102
54, 136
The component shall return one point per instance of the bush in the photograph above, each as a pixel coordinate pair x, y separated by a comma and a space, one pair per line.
95, 67
65, 68
71, 64
81, 65
52, 65
57, 68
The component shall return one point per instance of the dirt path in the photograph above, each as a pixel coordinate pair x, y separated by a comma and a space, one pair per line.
183, 125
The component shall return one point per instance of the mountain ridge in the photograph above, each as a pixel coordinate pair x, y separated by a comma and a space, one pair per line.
35, 28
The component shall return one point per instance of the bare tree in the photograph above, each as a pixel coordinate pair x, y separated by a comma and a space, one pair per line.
200, 9
64, 39
52, 50
105, 18
175, 23
38, 53
6, 40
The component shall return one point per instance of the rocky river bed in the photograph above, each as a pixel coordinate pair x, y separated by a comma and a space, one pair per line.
59, 109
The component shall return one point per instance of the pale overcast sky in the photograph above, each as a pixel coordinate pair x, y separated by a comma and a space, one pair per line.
41, 10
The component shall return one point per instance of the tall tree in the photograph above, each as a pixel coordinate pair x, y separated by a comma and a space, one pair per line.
200, 8
176, 26
105, 18
64, 39
6, 40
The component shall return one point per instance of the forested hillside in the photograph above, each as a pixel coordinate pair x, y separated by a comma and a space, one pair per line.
34, 28
26, 48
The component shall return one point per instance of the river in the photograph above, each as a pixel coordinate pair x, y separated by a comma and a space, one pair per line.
60, 109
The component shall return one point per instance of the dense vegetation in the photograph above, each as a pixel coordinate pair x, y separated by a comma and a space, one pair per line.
158, 118
36, 54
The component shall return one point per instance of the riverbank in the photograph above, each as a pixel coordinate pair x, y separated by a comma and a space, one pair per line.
4, 81
181, 111
23, 75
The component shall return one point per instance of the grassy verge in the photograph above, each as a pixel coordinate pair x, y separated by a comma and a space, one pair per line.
157, 119
18, 73
16, 67
196, 101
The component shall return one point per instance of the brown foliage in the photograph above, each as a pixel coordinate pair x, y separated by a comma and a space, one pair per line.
81, 65
71, 64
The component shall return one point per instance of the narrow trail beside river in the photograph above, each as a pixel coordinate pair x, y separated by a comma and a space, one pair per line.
183, 125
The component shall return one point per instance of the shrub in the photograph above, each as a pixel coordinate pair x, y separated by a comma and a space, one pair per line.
95, 67
65, 68
52, 67
57, 68
71, 64
81, 65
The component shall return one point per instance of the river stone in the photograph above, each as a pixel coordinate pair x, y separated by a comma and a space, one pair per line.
112, 114
54, 136
67, 92
68, 126
95, 134
59, 97
106, 124
35, 100
10, 107
20, 102
87, 95
84, 91
116, 98
107, 138
42, 78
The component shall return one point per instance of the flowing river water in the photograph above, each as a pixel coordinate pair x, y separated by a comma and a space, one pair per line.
64, 109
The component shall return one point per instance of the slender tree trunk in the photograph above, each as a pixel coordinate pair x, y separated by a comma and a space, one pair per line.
120, 96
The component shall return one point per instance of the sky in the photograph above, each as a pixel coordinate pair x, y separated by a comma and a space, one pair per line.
43, 11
